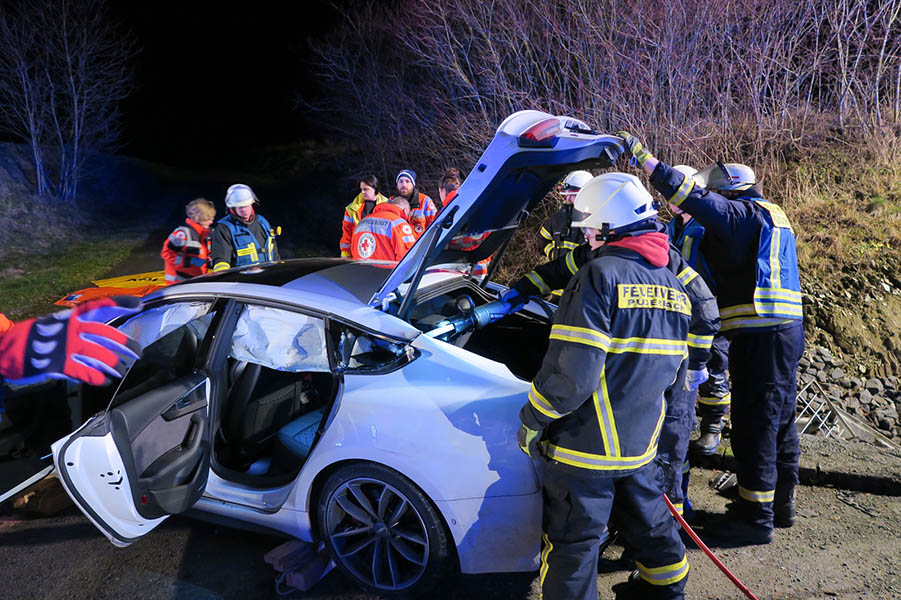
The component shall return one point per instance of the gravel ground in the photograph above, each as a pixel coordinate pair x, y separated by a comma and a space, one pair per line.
834, 551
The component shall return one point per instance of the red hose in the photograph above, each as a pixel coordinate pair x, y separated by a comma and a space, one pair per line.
744, 589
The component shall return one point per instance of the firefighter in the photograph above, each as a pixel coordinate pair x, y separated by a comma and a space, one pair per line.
596, 406
750, 249
561, 236
74, 344
674, 436
385, 234
186, 252
243, 237
422, 208
368, 198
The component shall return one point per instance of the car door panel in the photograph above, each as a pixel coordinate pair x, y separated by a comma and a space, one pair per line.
142, 460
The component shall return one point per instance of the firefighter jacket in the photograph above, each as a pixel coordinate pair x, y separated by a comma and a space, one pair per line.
239, 244
686, 237
560, 234
616, 344
186, 252
384, 235
705, 318
353, 212
422, 212
749, 246
5, 323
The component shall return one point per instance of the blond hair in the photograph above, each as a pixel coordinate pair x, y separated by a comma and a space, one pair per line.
200, 210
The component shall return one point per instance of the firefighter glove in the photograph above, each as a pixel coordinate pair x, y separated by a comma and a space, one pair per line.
694, 379
530, 441
74, 344
634, 147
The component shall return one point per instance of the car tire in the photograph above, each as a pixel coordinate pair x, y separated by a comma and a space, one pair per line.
382, 531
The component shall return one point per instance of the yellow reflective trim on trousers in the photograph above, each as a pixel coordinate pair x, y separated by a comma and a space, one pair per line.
700, 341
598, 462
683, 190
609, 420
641, 345
687, 275
571, 263
752, 496
538, 282
542, 405
715, 401
221, 266
545, 552
775, 274
664, 575
579, 335
679, 507
686, 467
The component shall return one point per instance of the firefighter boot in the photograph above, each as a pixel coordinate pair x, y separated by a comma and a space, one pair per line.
709, 441
784, 506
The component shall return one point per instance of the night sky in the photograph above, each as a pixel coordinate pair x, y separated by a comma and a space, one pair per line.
215, 81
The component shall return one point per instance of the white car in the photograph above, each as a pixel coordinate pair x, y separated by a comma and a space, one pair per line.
335, 400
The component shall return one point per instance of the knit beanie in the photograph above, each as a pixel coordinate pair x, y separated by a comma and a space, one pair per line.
406, 173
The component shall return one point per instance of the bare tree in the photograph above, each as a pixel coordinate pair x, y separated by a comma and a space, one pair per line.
64, 68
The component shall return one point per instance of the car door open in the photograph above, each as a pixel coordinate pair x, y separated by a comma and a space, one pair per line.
148, 455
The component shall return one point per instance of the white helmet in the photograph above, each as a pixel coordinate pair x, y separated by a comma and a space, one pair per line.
726, 177
691, 172
612, 201
575, 181
239, 195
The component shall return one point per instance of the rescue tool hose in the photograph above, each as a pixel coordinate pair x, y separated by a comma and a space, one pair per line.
694, 536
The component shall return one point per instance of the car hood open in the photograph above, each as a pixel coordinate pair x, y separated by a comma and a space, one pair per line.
531, 151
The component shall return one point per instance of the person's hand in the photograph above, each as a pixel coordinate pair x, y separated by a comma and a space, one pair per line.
529, 441
74, 344
513, 299
635, 148
694, 379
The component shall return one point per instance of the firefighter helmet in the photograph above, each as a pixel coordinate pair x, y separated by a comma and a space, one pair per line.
726, 177
612, 201
575, 181
239, 195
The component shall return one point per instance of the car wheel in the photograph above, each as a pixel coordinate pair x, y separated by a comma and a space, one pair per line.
382, 531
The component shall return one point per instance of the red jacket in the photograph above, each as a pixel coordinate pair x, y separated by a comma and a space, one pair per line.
384, 235
186, 251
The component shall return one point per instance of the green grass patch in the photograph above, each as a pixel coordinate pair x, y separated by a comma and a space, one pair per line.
34, 283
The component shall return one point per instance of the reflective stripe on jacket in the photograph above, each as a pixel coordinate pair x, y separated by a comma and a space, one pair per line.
422, 215
383, 235
353, 212
246, 249
186, 252
749, 247
616, 344
705, 318
560, 234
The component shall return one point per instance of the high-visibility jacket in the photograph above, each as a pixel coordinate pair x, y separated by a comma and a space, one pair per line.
422, 212
186, 252
686, 237
5, 323
705, 318
616, 344
383, 235
246, 249
560, 234
353, 212
749, 246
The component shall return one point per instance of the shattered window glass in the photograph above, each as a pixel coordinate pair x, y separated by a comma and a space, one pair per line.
280, 339
159, 321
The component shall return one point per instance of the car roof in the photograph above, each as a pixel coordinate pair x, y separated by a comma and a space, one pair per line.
336, 287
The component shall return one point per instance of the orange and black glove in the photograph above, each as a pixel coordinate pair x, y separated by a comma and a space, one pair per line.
73, 344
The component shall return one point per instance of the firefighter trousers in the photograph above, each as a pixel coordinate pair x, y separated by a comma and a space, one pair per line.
713, 395
575, 515
764, 396
672, 449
